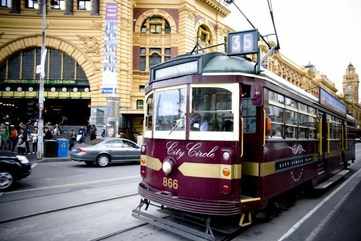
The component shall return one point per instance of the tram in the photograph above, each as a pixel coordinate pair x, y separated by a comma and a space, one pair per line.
221, 140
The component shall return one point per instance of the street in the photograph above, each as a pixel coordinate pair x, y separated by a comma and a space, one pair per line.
66, 200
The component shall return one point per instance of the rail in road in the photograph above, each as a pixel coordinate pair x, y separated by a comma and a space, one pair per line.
67, 208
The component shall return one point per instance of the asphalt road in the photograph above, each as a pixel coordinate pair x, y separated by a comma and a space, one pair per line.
64, 201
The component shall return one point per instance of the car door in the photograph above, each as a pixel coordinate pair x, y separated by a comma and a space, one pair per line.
116, 149
132, 150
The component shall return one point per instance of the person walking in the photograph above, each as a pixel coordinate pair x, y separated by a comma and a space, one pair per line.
93, 134
34, 140
13, 137
20, 146
26, 138
4, 137
72, 139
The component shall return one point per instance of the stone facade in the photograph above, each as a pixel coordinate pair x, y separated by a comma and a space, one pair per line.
149, 32
350, 85
305, 77
80, 34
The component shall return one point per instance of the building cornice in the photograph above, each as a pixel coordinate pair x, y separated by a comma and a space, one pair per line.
221, 9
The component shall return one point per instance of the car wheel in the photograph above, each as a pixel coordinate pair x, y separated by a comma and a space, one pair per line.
6, 180
103, 160
89, 163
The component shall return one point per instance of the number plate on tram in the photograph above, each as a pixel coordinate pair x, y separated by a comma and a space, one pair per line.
170, 183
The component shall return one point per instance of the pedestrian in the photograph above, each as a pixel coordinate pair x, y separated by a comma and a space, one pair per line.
26, 138
34, 140
93, 133
21, 147
4, 136
72, 139
57, 131
13, 137
48, 133
80, 138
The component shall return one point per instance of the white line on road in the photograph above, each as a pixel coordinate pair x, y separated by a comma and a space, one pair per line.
310, 213
75, 184
34, 165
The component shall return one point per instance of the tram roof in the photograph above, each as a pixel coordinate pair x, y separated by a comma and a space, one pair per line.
217, 63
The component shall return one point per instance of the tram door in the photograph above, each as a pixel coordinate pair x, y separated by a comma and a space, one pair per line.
332, 144
248, 139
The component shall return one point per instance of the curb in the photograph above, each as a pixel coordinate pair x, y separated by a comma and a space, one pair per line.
48, 159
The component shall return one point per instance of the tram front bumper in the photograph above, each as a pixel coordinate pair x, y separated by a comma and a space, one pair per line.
205, 207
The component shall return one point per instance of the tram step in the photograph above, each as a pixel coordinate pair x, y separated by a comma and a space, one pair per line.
332, 180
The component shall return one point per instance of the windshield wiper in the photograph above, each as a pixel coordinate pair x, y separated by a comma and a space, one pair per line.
176, 125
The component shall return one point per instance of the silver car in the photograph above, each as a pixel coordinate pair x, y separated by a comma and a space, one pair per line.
107, 151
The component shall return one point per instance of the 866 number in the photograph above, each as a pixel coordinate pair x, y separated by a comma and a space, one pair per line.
170, 183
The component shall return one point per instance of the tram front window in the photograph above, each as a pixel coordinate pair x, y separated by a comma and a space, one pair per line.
211, 110
170, 110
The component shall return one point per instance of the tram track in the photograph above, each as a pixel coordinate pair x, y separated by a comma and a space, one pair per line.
121, 231
66, 208
126, 230
70, 190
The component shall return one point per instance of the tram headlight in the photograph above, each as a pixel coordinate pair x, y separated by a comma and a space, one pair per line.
226, 155
167, 167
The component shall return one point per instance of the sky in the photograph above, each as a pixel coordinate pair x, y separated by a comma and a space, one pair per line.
322, 32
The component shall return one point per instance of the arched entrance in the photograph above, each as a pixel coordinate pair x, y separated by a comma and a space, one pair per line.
67, 89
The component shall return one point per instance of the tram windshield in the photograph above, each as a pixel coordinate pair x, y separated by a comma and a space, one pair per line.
170, 112
211, 110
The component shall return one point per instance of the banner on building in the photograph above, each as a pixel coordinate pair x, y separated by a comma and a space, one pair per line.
109, 82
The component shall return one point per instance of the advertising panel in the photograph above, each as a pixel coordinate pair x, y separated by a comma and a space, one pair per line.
109, 82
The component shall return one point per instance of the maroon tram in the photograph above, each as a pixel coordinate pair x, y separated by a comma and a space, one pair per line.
220, 140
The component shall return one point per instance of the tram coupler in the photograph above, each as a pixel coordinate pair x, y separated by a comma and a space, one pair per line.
246, 219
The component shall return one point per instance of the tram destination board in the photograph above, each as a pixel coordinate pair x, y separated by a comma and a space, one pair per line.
331, 102
245, 42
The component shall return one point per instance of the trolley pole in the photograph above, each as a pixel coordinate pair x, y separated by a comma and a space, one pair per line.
41, 71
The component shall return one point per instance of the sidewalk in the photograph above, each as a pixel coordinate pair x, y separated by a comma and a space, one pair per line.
33, 159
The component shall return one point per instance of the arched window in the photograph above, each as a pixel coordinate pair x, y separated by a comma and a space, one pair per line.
154, 59
204, 36
59, 67
155, 25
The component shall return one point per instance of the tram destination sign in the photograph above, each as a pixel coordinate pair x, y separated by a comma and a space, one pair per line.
176, 70
245, 42
330, 101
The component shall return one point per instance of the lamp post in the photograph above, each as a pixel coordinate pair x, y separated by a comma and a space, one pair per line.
41, 71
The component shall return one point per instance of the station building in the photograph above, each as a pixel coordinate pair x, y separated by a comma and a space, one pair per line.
81, 45
148, 32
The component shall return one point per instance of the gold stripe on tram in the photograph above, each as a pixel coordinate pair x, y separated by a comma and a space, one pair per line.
206, 170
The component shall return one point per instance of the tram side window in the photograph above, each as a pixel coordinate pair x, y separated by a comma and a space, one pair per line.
335, 127
149, 113
248, 111
249, 115
276, 97
291, 103
276, 115
291, 124
211, 110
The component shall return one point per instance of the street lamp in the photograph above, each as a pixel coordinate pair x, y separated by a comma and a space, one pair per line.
41, 71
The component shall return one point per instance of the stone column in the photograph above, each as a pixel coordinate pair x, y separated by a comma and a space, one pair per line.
95, 7
15, 6
68, 7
